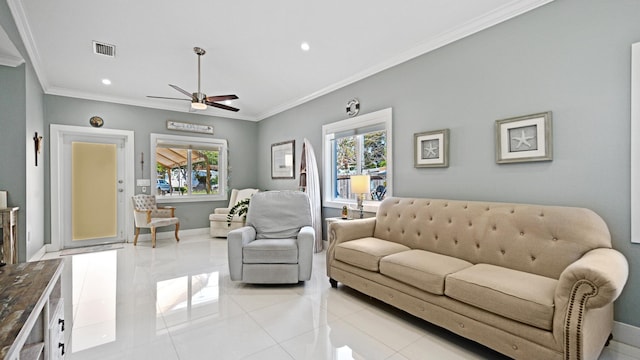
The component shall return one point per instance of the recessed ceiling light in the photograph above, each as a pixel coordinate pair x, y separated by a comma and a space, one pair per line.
305, 46
106, 81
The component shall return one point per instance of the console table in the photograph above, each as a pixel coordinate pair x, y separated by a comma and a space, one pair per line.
9, 226
32, 311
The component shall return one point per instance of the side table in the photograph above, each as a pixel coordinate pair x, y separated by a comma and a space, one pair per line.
9, 225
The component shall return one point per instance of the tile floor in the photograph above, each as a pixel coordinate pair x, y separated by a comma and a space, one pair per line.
176, 302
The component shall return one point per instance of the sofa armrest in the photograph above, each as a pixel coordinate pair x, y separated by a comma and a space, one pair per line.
306, 240
236, 240
351, 229
341, 231
584, 300
604, 271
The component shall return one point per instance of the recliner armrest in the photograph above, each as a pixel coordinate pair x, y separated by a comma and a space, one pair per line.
306, 239
221, 210
236, 240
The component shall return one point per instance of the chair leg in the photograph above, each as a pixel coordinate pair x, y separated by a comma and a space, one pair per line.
135, 239
177, 228
153, 236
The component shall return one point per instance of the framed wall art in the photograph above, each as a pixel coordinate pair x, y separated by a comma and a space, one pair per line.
196, 128
524, 139
431, 149
283, 160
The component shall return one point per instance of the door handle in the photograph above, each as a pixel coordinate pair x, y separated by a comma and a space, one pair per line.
120, 190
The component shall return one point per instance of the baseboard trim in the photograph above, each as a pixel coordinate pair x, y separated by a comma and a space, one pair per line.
626, 334
170, 234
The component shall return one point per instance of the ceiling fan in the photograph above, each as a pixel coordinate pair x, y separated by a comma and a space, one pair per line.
199, 100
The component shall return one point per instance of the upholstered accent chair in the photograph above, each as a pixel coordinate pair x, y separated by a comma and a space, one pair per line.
276, 245
148, 215
218, 226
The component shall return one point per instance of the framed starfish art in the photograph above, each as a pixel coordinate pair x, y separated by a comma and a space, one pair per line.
524, 139
431, 149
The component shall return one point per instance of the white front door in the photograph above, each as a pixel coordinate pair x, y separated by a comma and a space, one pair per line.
92, 187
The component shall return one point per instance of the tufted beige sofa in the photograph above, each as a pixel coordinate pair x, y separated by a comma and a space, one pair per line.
529, 281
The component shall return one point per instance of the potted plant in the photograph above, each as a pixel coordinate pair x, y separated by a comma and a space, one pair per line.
240, 209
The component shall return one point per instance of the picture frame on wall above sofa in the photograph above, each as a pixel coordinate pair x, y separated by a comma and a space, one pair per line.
524, 139
431, 149
283, 160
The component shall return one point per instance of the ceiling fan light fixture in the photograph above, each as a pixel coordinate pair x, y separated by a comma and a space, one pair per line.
198, 106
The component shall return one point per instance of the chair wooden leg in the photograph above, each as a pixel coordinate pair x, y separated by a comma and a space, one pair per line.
177, 228
135, 239
153, 236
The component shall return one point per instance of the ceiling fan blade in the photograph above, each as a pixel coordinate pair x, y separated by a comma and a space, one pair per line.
221, 106
221, 97
168, 98
182, 90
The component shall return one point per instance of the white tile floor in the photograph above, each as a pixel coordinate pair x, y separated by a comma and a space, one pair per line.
176, 302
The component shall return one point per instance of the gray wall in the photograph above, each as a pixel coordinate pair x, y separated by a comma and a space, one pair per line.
21, 115
571, 57
13, 141
240, 134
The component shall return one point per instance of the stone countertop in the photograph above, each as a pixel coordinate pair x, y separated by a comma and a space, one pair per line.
22, 290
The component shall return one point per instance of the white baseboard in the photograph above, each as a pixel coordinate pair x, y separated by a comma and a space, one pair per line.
626, 334
170, 234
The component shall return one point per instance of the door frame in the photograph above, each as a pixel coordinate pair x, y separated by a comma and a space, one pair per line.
57, 132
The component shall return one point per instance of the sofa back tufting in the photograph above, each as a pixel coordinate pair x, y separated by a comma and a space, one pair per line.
537, 239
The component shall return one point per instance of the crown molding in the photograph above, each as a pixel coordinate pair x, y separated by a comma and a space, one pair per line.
22, 24
12, 61
499, 15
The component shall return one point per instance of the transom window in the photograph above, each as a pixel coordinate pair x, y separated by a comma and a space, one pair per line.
188, 168
357, 146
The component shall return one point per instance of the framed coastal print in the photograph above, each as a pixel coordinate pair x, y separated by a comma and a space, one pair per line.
431, 149
524, 139
283, 160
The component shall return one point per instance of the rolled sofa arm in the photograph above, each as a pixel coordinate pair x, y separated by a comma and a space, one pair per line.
603, 270
351, 229
236, 240
584, 298
341, 231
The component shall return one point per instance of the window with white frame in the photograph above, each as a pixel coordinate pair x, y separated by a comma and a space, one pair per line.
188, 168
358, 146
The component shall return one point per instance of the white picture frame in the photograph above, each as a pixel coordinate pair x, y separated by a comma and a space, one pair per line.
431, 149
524, 139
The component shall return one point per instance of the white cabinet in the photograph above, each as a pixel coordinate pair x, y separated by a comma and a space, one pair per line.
32, 315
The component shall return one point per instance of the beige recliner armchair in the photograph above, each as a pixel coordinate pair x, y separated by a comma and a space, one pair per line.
276, 245
218, 226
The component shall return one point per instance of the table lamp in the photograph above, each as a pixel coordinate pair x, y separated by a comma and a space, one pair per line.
360, 185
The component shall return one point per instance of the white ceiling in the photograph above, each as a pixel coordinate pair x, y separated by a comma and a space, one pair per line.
253, 47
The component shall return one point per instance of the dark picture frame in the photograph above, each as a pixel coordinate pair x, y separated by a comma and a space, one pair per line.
283, 160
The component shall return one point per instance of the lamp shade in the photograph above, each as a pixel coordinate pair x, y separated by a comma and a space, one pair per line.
360, 184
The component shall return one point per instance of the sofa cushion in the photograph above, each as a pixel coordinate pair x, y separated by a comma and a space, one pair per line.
422, 269
366, 252
517, 295
271, 251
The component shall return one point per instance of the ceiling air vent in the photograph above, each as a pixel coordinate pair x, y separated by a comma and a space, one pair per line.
104, 49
